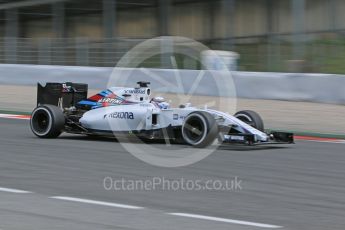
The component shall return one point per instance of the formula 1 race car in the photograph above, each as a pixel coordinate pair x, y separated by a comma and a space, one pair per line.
120, 111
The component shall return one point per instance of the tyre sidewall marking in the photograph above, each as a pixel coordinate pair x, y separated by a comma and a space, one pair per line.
245, 116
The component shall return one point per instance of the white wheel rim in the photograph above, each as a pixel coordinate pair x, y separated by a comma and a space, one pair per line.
49, 122
186, 138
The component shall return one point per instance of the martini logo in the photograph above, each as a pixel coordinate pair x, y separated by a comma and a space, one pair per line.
66, 88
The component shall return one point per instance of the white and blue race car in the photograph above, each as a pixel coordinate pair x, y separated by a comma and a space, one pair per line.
120, 111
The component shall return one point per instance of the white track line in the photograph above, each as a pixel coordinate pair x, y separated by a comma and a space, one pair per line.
74, 199
231, 221
11, 190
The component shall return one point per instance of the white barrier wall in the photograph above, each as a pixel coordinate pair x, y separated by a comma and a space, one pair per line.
325, 88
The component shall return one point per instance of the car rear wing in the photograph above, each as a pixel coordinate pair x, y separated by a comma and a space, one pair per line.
63, 95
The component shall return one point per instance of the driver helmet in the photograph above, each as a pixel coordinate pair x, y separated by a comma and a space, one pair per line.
160, 102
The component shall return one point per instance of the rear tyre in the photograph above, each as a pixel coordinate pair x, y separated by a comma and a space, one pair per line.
199, 129
47, 121
251, 118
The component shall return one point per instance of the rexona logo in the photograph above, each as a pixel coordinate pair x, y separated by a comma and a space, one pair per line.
110, 100
120, 115
135, 91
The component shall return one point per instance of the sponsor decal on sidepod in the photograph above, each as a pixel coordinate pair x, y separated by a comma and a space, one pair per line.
120, 115
110, 100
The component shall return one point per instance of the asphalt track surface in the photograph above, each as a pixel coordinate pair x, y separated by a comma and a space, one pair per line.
296, 187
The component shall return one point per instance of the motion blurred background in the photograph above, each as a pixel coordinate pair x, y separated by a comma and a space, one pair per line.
269, 35
82, 40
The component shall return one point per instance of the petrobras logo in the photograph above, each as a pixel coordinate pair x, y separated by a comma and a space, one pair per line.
135, 91
120, 115
110, 100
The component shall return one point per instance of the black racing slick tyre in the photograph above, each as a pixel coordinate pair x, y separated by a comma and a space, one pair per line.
47, 121
199, 129
251, 118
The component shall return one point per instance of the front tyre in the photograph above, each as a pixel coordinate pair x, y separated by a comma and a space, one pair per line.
199, 129
251, 118
47, 121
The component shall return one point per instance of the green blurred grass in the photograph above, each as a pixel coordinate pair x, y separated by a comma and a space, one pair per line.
316, 56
